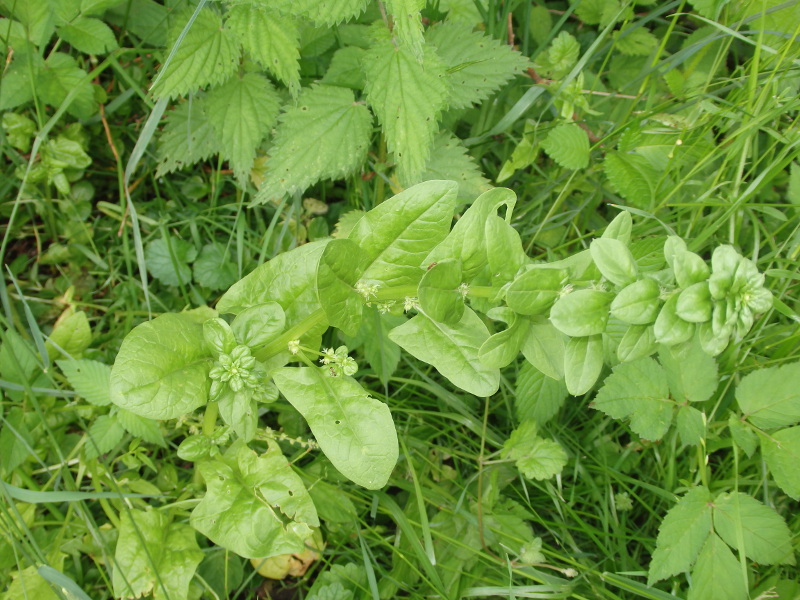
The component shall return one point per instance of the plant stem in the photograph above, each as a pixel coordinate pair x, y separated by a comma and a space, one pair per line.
210, 418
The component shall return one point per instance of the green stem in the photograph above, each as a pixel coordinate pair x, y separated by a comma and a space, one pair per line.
280, 343
210, 418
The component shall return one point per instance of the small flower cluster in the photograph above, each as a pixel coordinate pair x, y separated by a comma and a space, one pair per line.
236, 371
368, 291
338, 362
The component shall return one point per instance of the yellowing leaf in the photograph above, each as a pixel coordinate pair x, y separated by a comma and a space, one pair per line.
207, 55
407, 96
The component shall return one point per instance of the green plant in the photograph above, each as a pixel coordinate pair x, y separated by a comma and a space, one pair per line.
569, 318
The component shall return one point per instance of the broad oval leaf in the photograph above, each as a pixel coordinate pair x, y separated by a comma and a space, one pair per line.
669, 328
535, 290
259, 324
582, 313
438, 291
248, 500
637, 303
398, 234
694, 303
354, 430
637, 342
583, 362
502, 348
161, 370
543, 347
452, 349
614, 260
340, 267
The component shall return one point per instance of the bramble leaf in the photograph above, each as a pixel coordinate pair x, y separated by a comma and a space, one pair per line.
207, 55
88, 35
691, 373
477, 64
568, 145
407, 96
781, 451
770, 397
638, 389
451, 349
325, 136
354, 430
717, 574
632, 176
248, 499
765, 537
168, 260
161, 370
140, 427
538, 397
58, 78
681, 535
398, 234
154, 555
89, 378
691, 425
103, 435
242, 110
270, 39
535, 457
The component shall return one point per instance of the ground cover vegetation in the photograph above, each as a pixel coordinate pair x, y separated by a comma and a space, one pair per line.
357, 299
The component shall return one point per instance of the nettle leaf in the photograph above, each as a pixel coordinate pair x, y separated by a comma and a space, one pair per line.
717, 575
154, 555
452, 349
207, 55
249, 499
583, 362
88, 35
467, 240
407, 96
681, 535
691, 373
781, 451
637, 303
242, 110
770, 397
161, 370
765, 537
326, 13
582, 313
354, 430
614, 260
60, 76
214, 269
288, 279
477, 64
535, 291
168, 260
439, 294
449, 160
632, 177
568, 145
325, 136
639, 390
188, 137
535, 457
538, 397
544, 347
89, 378
635, 42
104, 433
407, 24
271, 40
399, 233
340, 267
345, 71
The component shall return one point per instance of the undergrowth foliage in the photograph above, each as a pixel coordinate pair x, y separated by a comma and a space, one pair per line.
373, 373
